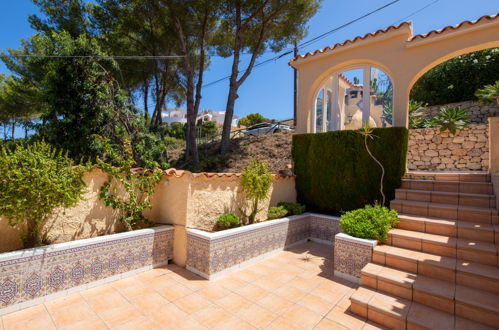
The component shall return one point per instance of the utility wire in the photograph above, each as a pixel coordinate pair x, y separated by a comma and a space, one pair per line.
309, 42
117, 57
416, 12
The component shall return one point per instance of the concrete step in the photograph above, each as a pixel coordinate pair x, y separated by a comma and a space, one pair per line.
444, 197
449, 176
464, 249
447, 211
442, 295
454, 228
398, 313
449, 186
462, 272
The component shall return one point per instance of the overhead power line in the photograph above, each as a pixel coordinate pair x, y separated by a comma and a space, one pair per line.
116, 57
309, 42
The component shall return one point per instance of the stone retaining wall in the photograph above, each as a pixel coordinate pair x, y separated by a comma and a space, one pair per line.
479, 112
430, 149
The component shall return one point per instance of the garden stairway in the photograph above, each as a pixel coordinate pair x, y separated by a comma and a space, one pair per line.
439, 268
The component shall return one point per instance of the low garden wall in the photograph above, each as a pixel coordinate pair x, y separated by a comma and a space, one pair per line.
430, 149
478, 111
32, 276
213, 254
351, 254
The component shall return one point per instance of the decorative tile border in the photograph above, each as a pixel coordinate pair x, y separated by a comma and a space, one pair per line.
31, 276
351, 254
212, 254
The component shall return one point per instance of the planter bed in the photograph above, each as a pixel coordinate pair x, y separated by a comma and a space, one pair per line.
213, 254
32, 276
351, 254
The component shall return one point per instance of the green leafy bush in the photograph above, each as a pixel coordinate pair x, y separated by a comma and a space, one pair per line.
371, 222
488, 93
334, 174
457, 79
416, 114
450, 119
255, 183
292, 208
228, 220
36, 179
276, 212
128, 189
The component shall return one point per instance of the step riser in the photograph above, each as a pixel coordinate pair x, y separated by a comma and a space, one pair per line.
438, 272
445, 198
453, 187
477, 216
477, 314
462, 177
479, 256
408, 292
447, 230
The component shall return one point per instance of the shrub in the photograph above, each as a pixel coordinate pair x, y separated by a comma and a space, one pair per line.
292, 208
36, 179
416, 114
457, 79
228, 220
126, 189
488, 93
372, 222
276, 212
255, 182
450, 119
251, 119
334, 174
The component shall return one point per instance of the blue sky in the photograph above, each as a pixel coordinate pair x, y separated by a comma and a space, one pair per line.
269, 89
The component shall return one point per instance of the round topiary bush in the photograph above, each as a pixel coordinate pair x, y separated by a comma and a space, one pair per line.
228, 220
371, 222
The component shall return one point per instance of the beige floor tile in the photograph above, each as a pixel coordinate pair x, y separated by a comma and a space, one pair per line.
290, 292
88, 324
211, 316
283, 324
65, 316
119, 315
275, 303
167, 314
174, 292
252, 292
302, 316
318, 305
233, 302
134, 290
233, 323
187, 324
66, 301
257, 316
247, 275
148, 301
192, 303
140, 322
327, 324
105, 301
232, 283
35, 317
346, 318
213, 292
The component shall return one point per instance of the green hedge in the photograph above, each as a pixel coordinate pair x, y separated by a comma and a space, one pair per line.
335, 173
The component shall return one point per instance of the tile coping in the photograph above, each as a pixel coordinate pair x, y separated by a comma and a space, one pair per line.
81, 243
363, 241
234, 231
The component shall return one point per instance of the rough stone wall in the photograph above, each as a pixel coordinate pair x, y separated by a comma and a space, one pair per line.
430, 149
478, 111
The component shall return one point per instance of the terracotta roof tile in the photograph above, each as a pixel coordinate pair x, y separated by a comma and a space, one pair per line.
351, 41
392, 27
454, 27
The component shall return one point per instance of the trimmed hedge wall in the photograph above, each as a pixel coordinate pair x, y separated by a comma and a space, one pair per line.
336, 174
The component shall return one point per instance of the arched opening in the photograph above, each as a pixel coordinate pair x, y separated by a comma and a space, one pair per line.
454, 83
343, 101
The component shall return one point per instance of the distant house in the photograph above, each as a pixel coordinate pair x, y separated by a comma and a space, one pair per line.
177, 115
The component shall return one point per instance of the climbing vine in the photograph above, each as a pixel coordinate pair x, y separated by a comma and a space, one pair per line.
127, 189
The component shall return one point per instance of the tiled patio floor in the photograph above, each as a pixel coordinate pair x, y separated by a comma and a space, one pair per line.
294, 289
